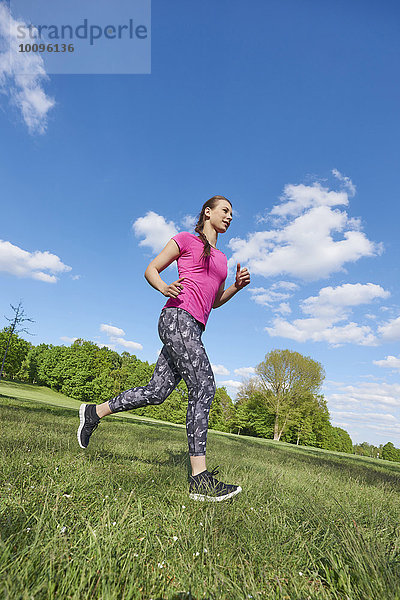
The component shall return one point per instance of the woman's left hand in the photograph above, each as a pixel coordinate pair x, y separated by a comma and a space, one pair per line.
242, 277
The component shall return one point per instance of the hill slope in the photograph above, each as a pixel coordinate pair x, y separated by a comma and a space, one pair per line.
115, 521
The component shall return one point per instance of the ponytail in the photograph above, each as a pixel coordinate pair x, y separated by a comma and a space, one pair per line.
211, 203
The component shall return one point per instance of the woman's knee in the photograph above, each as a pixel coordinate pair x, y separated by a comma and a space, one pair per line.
204, 393
211, 389
155, 399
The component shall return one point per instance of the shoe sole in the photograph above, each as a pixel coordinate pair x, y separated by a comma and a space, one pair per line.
82, 422
204, 498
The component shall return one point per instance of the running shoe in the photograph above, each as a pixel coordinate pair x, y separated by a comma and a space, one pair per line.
89, 421
205, 487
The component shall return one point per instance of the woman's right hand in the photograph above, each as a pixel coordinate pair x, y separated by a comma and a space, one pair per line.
174, 289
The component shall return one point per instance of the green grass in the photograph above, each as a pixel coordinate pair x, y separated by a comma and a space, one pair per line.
115, 521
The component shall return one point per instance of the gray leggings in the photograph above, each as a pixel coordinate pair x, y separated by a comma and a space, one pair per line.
182, 356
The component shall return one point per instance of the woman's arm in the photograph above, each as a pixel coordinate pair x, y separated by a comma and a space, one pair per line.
242, 279
224, 295
152, 274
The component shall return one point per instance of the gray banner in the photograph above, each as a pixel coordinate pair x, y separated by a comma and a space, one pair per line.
81, 37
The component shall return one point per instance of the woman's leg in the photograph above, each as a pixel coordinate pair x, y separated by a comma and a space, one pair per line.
198, 464
181, 335
103, 410
163, 381
165, 378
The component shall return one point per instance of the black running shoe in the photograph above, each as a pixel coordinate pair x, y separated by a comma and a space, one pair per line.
205, 486
89, 422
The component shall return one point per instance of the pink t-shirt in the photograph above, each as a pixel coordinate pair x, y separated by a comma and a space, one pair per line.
203, 276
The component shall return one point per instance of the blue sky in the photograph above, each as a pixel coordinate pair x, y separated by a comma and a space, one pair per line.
289, 109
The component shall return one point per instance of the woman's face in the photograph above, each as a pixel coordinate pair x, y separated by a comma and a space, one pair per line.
220, 216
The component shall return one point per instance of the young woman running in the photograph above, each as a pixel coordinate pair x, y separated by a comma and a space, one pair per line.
200, 287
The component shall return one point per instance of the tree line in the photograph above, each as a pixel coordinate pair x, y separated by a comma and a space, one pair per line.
281, 401
387, 451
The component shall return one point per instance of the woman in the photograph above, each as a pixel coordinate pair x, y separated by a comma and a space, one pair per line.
200, 287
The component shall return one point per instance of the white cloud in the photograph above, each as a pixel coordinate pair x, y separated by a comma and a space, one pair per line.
311, 240
101, 345
332, 305
115, 334
296, 198
189, 222
44, 277
111, 330
285, 285
267, 297
347, 182
230, 383
155, 230
262, 218
319, 330
386, 430
283, 308
334, 302
219, 370
245, 371
329, 382
341, 424
126, 343
368, 394
366, 416
391, 362
272, 297
22, 75
69, 340
75, 277
21, 263
373, 406
390, 331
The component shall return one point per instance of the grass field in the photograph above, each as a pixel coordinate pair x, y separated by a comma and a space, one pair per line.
115, 521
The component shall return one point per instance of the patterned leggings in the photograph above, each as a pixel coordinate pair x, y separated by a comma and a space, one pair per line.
182, 356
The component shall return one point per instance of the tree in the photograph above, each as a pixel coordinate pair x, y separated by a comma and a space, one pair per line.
303, 416
252, 415
338, 439
14, 329
389, 452
50, 369
14, 358
286, 380
222, 411
321, 422
30, 365
310, 424
366, 449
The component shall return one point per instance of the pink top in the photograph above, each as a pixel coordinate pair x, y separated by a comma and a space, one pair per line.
203, 276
